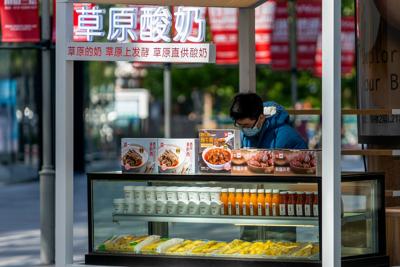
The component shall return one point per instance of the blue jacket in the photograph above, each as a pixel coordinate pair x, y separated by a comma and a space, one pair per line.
275, 132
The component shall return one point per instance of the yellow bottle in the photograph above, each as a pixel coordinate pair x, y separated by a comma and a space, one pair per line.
231, 201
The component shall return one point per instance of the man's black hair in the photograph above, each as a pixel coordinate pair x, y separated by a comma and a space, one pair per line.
249, 105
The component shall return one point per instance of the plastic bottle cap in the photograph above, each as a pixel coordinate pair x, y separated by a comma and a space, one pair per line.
283, 193
275, 191
299, 193
224, 190
253, 190
260, 191
308, 193
149, 188
231, 190
239, 190
315, 193
291, 192
268, 191
246, 190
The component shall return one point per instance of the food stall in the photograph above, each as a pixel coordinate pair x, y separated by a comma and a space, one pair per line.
152, 238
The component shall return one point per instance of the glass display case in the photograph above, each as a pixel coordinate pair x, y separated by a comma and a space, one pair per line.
199, 220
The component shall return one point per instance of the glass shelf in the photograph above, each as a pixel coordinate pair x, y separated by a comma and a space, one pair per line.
238, 220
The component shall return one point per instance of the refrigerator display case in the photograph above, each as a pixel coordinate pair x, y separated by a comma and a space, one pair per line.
217, 220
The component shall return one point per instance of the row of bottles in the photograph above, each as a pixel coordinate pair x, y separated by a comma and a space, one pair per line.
268, 202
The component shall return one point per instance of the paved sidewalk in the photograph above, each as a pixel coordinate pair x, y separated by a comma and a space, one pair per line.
20, 223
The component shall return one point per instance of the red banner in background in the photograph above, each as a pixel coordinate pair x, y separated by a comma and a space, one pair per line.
224, 31
264, 24
348, 44
308, 18
348, 48
280, 59
20, 21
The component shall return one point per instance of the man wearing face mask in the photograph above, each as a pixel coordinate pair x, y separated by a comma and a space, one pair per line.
264, 125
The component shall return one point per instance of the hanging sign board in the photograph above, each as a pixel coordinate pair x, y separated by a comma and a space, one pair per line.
142, 34
20, 21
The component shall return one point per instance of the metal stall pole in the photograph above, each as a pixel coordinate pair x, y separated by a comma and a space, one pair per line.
64, 137
293, 50
47, 178
247, 57
331, 139
167, 100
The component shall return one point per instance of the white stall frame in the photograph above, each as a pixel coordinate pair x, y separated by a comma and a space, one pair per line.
331, 109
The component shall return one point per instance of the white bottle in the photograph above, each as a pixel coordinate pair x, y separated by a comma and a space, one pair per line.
119, 205
215, 208
129, 207
150, 194
161, 207
129, 192
172, 193
138, 192
172, 207
150, 207
215, 193
161, 193
139, 207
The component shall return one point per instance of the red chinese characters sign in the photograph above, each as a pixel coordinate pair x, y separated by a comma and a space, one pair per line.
20, 21
280, 38
224, 31
264, 23
308, 28
348, 48
142, 52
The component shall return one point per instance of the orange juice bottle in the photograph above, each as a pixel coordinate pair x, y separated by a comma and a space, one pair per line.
238, 202
253, 202
246, 202
260, 202
231, 201
268, 202
224, 201
275, 202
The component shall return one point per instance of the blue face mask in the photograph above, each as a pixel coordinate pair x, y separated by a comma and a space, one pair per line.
251, 131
